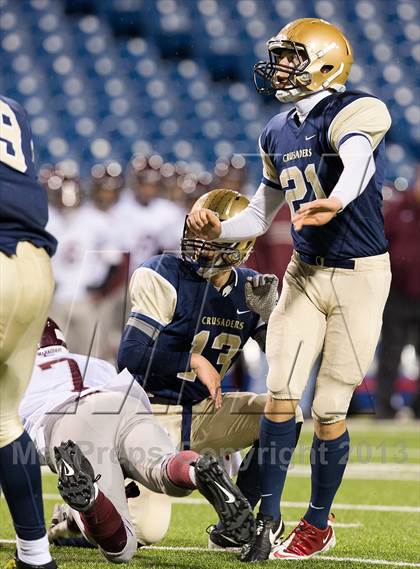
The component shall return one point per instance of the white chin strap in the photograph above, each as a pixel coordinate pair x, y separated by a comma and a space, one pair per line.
290, 95
295, 94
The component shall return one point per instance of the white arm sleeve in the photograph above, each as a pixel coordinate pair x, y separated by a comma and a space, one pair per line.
256, 218
356, 154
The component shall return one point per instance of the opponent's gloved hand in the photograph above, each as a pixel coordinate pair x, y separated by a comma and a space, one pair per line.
261, 294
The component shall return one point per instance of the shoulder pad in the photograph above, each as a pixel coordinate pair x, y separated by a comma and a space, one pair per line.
166, 265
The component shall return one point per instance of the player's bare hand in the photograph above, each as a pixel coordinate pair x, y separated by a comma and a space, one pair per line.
317, 212
261, 293
204, 223
209, 376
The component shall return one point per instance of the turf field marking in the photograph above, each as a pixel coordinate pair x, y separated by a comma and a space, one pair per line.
336, 525
392, 471
320, 558
368, 471
386, 562
359, 425
367, 561
360, 507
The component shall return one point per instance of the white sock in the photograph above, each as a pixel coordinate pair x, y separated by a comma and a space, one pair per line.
34, 552
191, 473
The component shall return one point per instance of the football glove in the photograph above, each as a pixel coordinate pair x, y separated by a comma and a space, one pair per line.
261, 294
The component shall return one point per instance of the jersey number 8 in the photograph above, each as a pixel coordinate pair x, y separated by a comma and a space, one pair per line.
11, 152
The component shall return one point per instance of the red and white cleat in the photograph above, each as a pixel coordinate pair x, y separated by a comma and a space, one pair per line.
305, 541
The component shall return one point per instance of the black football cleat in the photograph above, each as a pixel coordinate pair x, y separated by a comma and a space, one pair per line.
268, 533
231, 506
18, 564
76, 478
220, 539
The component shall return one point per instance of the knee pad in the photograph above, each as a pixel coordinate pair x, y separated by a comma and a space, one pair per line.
331, 403
151, 515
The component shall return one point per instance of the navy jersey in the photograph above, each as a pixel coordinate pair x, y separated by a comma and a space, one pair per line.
176, 312
302, 161
23, 202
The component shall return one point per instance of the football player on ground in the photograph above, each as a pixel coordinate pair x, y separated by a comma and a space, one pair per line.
26, 286
75, 402
190, 318
325, 157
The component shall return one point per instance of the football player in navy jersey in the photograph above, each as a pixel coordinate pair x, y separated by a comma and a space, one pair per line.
26, 288
325, 157
190, 318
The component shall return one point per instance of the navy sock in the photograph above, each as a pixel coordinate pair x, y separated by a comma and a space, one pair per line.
277, 443
328, 463
20, 480
247, 481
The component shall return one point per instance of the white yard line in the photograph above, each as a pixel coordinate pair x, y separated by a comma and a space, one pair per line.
393, 471
359, 507
367, 561
336, 525
369, 471
320, 558
385, 562
367, 425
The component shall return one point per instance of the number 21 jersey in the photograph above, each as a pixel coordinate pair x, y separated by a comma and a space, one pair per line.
23, 202
302, 160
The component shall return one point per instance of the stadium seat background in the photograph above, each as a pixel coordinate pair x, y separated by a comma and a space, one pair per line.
105, 79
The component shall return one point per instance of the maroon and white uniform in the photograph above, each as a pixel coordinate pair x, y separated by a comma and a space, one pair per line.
62, 379
108, 415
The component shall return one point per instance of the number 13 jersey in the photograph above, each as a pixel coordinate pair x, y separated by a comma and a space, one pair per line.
302, 160
23, 201
176, 312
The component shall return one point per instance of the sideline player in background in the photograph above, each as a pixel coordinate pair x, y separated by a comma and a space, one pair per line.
326, 158
190, 318
74, 402
26, 288
88, 255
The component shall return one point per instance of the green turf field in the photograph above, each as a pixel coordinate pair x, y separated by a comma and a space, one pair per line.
377, 511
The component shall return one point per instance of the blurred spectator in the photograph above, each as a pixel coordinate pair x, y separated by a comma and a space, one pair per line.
401, 321
106, 184
146, 222
231, 173
85, 254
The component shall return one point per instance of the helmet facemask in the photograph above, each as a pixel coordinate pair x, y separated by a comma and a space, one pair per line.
207, 257
291, 87
312, 55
